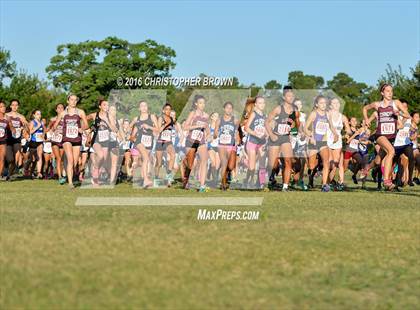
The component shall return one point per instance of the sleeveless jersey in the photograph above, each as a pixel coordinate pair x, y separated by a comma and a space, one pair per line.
257, 125
71, 126
387, 121
227, 131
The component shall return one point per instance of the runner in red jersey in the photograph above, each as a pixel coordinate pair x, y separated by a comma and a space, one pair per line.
4, 123
74, 123
386, 130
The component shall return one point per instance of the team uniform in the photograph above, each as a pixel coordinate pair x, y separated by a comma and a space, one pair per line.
37, 137
338, 126
145, 136
387, 122
257, 125
226, 134
196, 137
165, 136
320, 130
282, 128
101, 134
57, 135
4, 124
71, 126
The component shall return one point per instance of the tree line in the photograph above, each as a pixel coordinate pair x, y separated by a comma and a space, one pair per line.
90, 69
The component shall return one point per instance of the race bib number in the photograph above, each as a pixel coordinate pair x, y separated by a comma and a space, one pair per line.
72, 131
166, 135
39, 137
403, 134
225, 139
354, 144
57, 137
260, 130
197, 134
47, 147
387, 128
103, 135
321, 128
146, 140
17, 133
2, 132
283, 129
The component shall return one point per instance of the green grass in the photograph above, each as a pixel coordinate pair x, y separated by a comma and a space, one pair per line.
308, 250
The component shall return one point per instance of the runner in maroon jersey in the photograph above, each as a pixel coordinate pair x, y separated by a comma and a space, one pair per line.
3, 135
57, 142
74, 123
386, 130
17, 123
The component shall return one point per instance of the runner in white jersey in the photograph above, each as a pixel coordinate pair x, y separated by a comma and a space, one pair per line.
57, 143
404, 146
335, 148
299, 143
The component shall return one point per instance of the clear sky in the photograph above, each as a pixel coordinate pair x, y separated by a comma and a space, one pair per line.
253, 40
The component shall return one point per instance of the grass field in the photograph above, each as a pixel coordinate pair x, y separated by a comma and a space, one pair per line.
308, 250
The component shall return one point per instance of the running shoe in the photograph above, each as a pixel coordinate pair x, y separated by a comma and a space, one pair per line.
354, 178
325, 188
417, 181
202, 189
302, 185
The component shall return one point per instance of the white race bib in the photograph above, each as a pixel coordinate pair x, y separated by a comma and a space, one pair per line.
166, 135
47, 147
387, 128
283, 129
225, 139
72, 131
321, 128
197, 134
2, 132
103, 135
39, 137
146, 140
354, 144
57, 137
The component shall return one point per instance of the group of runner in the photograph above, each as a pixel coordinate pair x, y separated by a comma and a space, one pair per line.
254, 150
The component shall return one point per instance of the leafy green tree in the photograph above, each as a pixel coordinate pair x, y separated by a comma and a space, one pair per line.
33, 93
7, 67
299, 80
90, 69
272, 84
405, 87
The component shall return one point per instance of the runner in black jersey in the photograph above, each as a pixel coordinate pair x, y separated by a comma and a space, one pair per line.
226, 131
164, 143
285, 117
100, 139
145, 127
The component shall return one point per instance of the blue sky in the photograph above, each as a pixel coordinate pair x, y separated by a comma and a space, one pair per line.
255, 41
